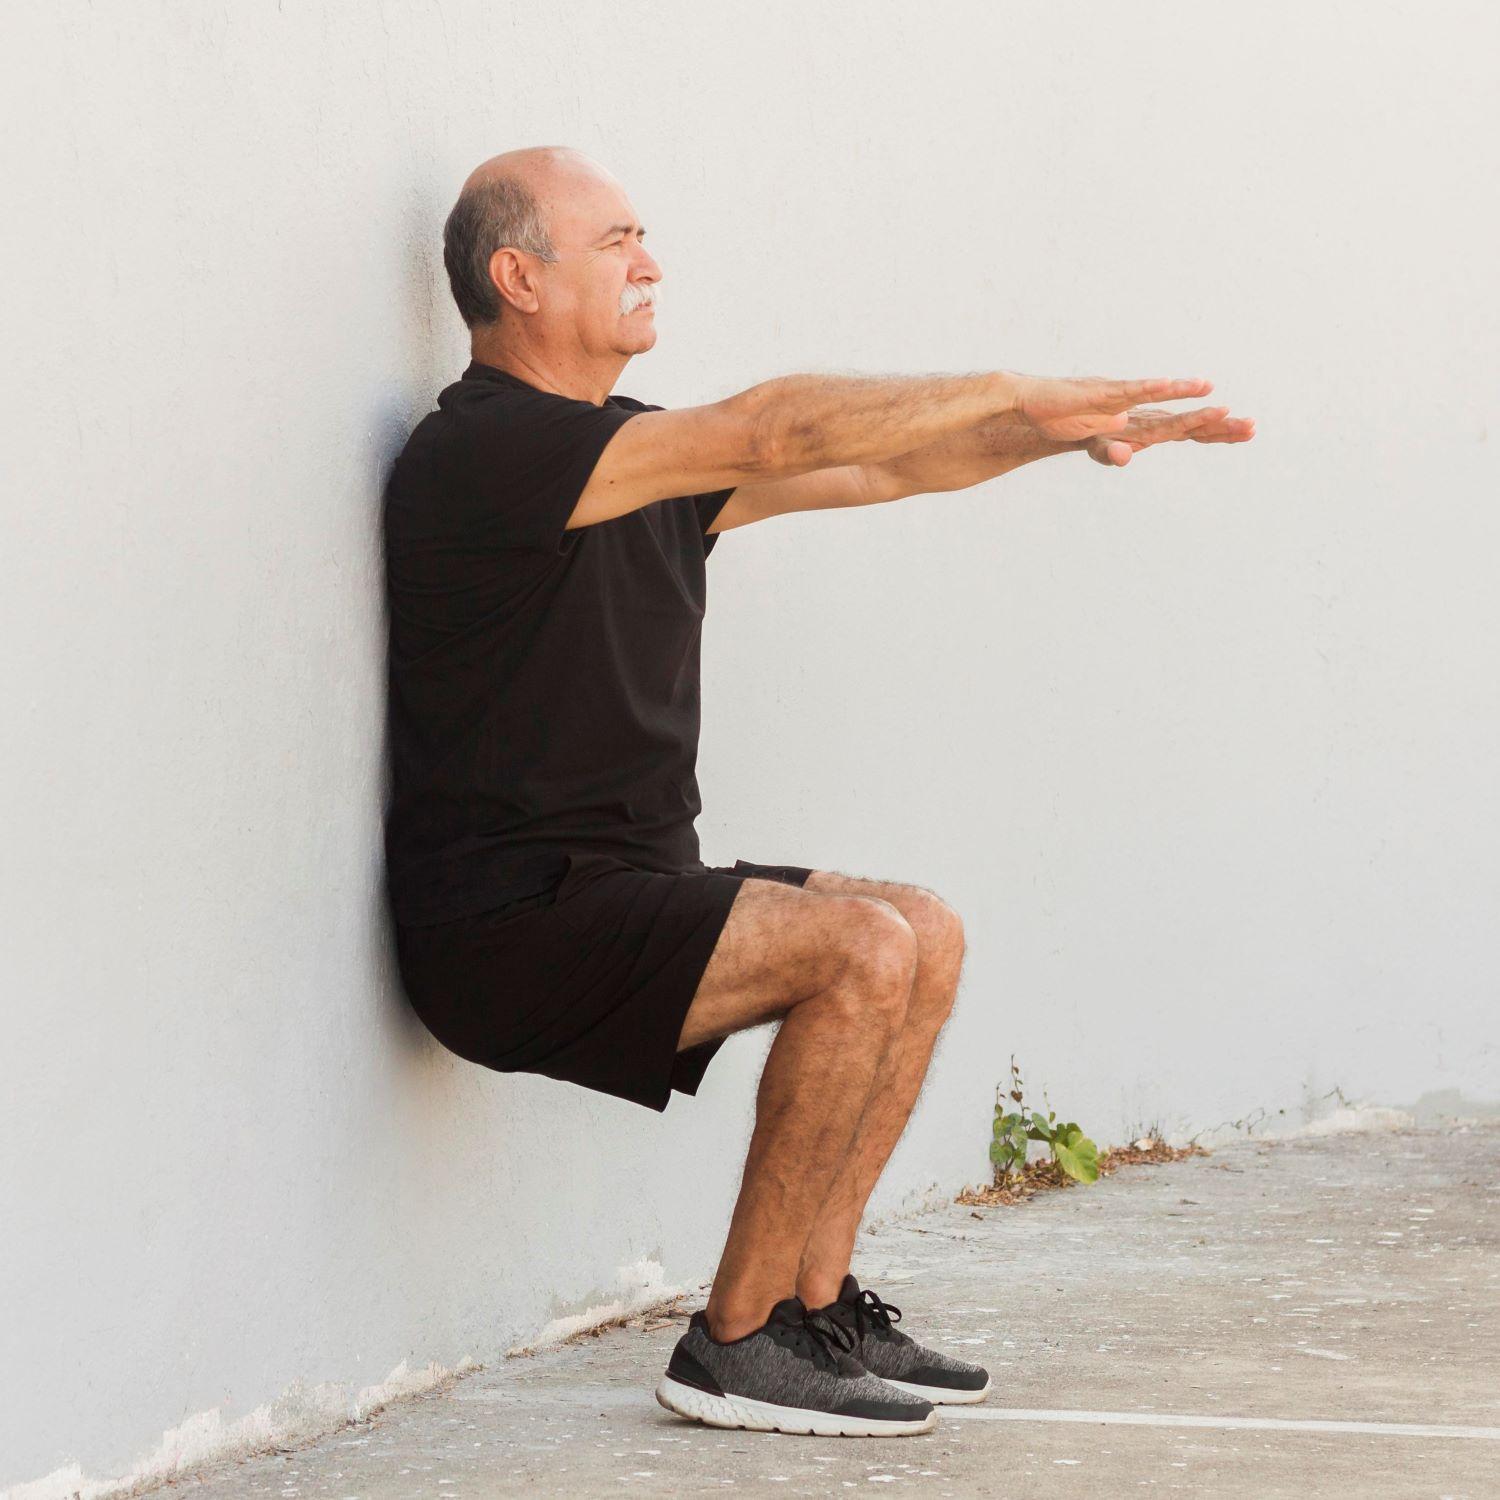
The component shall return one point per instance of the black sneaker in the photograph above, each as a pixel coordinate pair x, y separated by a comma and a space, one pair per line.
789, 1375
894, 1356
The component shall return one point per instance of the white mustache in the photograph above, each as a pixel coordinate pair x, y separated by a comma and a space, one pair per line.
638, 296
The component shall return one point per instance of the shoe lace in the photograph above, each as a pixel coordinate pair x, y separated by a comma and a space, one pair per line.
820, 1341
871, 1312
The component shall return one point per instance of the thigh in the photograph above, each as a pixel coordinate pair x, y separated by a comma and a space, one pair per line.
929, 916
782, 944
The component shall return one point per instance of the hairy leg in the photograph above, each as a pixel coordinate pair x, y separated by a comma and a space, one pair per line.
898, 1078
839, 971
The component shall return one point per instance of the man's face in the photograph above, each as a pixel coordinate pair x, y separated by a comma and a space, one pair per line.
600, 292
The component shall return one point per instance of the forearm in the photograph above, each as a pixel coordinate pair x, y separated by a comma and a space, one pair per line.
956, 462
808, 422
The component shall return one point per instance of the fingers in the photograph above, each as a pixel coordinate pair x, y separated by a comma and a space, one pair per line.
1209, 424
1204, 420
1222, 428
1206, 414
1110, 452
1239, 430
1119, 394
1147, 426
1094, 406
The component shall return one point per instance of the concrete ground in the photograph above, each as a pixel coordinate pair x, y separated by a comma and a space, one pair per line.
1317, 1316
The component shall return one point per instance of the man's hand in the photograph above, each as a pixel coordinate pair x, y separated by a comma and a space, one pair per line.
1146, 425
1050, 417
1099, 415
1076, 408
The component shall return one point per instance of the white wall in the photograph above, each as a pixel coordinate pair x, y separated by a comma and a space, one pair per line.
1202, 749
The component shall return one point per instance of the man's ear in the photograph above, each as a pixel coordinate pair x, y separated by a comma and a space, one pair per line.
514, 280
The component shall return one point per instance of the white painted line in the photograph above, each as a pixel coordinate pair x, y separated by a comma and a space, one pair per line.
1175, 1419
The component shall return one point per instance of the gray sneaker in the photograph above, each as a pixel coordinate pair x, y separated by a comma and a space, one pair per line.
894, 1356
789, 1375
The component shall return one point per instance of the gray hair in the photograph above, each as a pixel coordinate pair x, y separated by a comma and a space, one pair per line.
499, 212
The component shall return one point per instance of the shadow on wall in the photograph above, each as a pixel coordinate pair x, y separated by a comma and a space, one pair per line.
423, 323
424, 330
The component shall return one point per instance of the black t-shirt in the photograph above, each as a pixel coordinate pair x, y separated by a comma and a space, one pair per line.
543, 683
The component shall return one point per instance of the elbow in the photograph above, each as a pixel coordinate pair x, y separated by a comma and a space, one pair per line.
767, 457
763, 437
764, 446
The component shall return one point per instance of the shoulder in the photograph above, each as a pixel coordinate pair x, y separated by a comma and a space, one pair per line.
486, 408
481, 422
486, 401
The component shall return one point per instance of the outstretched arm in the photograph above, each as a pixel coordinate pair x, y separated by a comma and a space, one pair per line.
1086, 414
1005, 442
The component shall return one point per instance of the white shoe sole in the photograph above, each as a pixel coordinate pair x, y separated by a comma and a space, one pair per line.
764, 1416
940, 1394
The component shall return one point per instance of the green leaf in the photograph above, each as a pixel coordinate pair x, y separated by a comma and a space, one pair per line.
1076, 1154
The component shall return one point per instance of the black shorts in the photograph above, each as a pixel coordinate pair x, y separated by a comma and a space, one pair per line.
588, 982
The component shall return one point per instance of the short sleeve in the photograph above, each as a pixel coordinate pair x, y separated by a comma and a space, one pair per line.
709, 506
521, 459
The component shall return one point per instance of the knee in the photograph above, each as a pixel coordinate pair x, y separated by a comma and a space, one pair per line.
880, 956
940, 936
939, 929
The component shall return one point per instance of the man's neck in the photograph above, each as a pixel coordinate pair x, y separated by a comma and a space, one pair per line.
579, 378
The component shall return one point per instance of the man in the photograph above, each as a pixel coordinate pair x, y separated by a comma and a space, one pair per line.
546, 542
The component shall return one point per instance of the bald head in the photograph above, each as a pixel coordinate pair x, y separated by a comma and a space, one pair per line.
518, 199
542, 168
